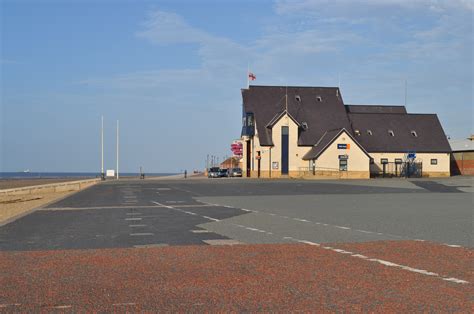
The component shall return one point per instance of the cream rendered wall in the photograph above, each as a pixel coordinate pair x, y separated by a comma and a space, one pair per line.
295, 152
272, 154
443, 166
357, 159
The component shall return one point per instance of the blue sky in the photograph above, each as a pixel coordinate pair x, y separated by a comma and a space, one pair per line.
171, 71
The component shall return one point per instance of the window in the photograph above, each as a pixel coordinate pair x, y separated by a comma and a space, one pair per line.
434, 161
342, 164
413, 133
369, 132
390, 132
357, 132
319, 98
398, 160
298, 98
384, 161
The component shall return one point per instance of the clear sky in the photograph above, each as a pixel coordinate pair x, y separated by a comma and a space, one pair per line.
171, 71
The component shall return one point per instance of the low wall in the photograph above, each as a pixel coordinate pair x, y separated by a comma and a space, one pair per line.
319, 174
51, 188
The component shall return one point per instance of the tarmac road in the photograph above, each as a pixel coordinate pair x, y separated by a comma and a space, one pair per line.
388, 232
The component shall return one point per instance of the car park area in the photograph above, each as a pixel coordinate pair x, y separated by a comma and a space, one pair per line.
202, 244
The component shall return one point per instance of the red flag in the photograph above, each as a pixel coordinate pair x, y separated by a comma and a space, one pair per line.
252, 76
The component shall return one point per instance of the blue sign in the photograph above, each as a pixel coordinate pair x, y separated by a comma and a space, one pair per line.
411, 155
341, 146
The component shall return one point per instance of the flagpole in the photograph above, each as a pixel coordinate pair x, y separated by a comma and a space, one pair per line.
248, 73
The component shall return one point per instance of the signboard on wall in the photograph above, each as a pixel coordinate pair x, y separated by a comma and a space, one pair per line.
343, 146
275, 165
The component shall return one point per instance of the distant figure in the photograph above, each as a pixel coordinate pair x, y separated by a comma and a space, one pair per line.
185, 174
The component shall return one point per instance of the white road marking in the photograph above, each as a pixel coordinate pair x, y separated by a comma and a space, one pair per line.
11, 304
190, 213
309, 242
387, 263
200, 231
142, 234
452, 245
131, 214
136, 226
61, 306
163, 189
210, 218
299, 219
133, 219
246, 210
342, 227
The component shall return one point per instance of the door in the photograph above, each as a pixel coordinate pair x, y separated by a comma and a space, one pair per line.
248, 158
284, 150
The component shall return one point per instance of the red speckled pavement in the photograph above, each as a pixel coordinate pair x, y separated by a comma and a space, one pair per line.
272, 277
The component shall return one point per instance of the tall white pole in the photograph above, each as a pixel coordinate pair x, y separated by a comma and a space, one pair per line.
102, 148
248, 73
117, 149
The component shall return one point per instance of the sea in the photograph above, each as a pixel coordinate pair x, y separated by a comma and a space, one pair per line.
62, 175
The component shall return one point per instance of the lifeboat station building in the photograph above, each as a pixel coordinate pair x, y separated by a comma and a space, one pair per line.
310, 132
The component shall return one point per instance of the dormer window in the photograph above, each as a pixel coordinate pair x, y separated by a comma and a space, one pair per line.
413, 133
298, 98
390, 132
357, 132
369, 132
319, 99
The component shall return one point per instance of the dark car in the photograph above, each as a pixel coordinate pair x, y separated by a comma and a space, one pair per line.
235, 172
223, 173
214, 172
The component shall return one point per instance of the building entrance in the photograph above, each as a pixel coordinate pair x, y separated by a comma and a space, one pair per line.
284, 149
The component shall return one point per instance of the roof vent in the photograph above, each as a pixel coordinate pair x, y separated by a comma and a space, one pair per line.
413, 133
390, 132
319, 98
357, 132
304, 125
298, 98
369, 132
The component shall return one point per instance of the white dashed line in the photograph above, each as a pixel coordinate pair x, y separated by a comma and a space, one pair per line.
136, 226
210, 218
386, 263
141, 234
132, 214
61, 307
132, 219
190, 213
452, 245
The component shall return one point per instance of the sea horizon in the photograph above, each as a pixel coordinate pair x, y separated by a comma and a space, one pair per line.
59, 174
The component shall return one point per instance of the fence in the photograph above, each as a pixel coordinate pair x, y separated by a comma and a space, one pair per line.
408, 169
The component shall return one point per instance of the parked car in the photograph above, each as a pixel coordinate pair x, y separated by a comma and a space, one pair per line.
235, 172
214, 172
223, 173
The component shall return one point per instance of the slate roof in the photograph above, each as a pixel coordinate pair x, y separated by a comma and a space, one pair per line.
327, 139
375, 109
266, 102
430, 134
323, 117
